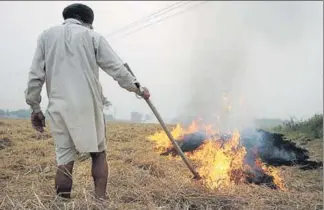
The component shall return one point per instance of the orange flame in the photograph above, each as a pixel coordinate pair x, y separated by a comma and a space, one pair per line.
275, 173
220, 164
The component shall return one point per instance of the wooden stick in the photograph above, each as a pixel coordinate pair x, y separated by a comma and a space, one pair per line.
176, 146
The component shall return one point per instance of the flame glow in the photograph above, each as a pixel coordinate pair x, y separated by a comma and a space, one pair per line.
220, 163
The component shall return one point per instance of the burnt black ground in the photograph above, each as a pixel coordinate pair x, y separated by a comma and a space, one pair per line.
272, 148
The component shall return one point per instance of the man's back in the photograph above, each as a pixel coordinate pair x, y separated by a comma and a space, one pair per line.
70, 63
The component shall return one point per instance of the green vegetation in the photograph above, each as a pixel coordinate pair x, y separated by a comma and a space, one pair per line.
310, 128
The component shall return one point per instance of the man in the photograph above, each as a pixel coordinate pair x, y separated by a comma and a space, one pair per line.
68, 58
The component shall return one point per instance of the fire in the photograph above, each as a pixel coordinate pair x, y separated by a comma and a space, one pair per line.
220, 163
278, 181
162, 141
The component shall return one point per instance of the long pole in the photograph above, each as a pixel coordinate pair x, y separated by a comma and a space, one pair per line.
176, 146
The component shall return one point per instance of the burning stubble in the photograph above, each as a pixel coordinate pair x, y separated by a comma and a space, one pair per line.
230, 159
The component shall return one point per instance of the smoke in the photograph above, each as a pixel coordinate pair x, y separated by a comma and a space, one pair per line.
216, 65
272, 148
233, 60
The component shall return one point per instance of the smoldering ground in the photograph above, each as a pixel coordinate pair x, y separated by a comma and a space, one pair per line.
270, 148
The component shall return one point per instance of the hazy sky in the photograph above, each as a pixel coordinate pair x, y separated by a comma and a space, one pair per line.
267, 56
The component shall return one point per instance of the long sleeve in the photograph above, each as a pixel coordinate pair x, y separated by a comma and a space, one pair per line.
36, 77
109, 62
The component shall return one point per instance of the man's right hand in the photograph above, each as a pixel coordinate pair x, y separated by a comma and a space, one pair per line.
38, 120
144, 92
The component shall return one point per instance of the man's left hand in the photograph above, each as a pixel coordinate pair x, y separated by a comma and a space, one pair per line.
38, 121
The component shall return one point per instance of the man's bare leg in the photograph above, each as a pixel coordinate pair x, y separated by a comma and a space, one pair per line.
100, 173
63, 180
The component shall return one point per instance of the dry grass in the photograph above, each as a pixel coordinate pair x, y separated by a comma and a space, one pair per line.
138, 177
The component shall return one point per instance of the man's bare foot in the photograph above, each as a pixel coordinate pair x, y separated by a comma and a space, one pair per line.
102, 203
105, 198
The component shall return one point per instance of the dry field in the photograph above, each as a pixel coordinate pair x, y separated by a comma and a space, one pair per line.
139, 178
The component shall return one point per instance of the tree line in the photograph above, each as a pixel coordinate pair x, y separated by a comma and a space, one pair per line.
20, 113
25, 114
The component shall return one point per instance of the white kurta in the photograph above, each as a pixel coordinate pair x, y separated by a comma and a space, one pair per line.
68, 58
